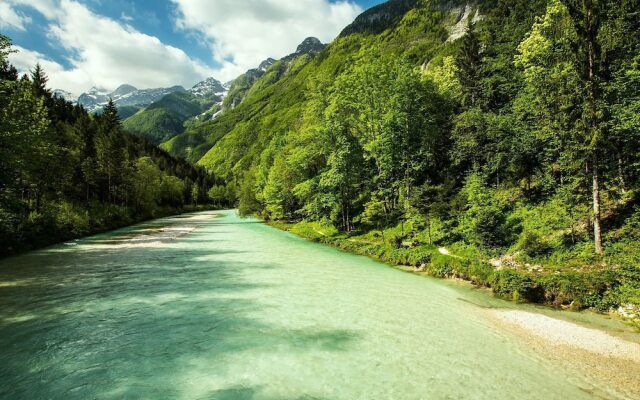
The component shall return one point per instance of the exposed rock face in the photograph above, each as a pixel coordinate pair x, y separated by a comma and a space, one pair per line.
465, 15
310, 45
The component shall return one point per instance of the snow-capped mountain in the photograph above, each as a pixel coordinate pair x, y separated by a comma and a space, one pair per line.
213, 89
68, 96
209, 87
124, 95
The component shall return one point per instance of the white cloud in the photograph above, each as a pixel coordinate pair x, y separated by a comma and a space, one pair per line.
106, 53
24, 60
48, 8
12, 19
243, 33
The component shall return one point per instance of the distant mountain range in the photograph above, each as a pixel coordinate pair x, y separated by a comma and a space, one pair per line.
129, 96
125, 95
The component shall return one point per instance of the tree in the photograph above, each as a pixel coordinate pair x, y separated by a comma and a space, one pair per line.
110, 151
564, 66
7, 71
469, 66
341, 181
39, 80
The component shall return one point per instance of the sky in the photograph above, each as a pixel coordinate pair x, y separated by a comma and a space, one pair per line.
160, 43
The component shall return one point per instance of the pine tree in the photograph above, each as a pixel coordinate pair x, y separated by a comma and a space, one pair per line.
110, 117
39, 81
469, 63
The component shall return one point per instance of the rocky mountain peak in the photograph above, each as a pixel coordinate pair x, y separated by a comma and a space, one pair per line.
208, 87
266, 64
310, 45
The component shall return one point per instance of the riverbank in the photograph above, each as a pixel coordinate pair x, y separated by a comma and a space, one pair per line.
600, 289
99, 219
598, 354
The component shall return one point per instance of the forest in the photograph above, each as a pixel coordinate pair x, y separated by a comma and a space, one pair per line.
65, 174
512, 147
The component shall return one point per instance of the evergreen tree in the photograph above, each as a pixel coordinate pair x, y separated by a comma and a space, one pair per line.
39, 81
469, 67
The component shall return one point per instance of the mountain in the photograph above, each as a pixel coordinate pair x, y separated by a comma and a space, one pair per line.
310, 46
209, 87
384, 16
166, 117
68, 96
196, 139
239, 86
125, 95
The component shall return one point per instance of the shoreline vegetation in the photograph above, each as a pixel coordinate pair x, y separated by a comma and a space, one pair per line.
596, 289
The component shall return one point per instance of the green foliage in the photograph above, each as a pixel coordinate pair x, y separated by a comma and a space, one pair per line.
533, 244
518, 141
166, 118
484, 222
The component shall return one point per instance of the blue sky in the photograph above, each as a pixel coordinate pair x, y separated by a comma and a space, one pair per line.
149, 43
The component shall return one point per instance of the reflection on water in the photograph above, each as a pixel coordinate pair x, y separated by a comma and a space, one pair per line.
211, 306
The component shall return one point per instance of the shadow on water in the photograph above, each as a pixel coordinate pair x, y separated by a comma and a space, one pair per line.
242, 393
122, 323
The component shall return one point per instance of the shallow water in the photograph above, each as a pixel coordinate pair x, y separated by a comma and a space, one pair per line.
225, 308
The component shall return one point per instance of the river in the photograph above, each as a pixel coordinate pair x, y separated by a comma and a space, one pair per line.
211, 306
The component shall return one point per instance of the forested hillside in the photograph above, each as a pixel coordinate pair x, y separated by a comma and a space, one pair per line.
165, 118
65, 173
505, 131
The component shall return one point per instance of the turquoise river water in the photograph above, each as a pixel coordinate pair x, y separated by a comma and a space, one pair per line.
211, 306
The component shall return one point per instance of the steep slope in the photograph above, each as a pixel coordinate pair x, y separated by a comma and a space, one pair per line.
239, 87
275, 103
248, 95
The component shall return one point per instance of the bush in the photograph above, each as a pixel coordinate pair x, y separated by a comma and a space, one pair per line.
533, 244
516, 285
441, 266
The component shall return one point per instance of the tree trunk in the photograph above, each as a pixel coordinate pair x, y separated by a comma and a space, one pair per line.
429, 228
597, 231
623, 184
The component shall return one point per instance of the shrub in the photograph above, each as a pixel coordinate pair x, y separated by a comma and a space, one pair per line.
516, 285
440, 266
533, 244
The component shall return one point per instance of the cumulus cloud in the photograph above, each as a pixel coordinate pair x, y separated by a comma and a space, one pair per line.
106, 53
243, 33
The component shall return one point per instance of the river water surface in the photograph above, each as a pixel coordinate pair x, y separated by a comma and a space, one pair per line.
211, 306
